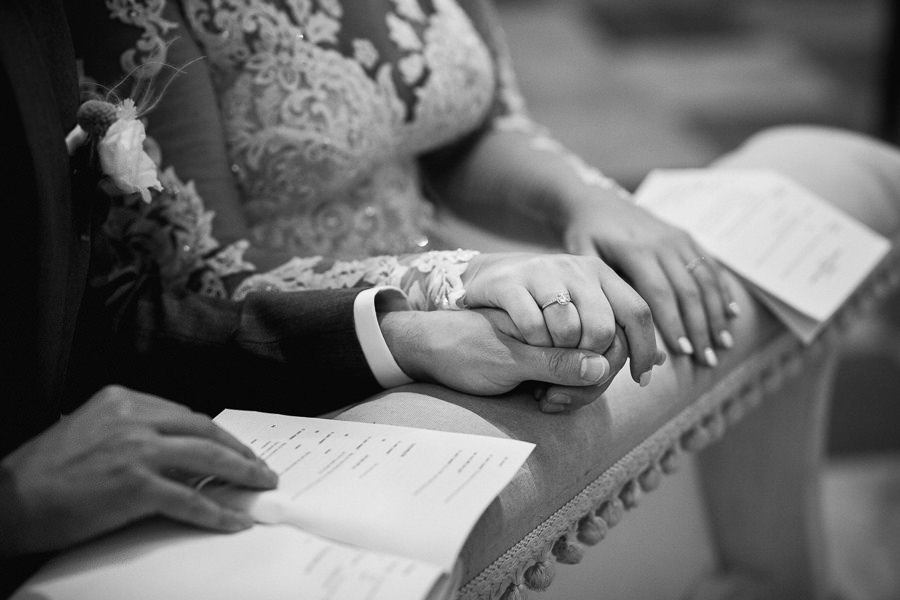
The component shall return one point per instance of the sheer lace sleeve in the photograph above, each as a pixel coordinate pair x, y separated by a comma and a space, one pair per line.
201, 233
510, 113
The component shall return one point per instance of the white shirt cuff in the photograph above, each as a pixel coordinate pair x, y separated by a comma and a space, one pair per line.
365, 316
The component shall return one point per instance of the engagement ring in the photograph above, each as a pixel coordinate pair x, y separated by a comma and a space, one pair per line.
561, 298
694, 264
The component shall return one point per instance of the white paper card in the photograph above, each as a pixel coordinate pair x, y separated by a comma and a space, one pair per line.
161, 559
407, 491
362, 510
802, 256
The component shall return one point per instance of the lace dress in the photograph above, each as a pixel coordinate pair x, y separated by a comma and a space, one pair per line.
326, 108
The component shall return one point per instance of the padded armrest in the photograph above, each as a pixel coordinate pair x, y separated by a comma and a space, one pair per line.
591, 464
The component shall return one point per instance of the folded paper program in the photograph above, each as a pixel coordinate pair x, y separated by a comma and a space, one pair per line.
802, 256
426, 489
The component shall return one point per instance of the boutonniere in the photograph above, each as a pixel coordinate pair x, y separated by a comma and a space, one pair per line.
118, 136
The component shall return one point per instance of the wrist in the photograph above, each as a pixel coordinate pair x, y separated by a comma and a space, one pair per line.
576, 204
471, 272
402, 332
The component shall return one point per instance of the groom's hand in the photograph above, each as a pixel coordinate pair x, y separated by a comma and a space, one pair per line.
559, 398
120, 457
482, 352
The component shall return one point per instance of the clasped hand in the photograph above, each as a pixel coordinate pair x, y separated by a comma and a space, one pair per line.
120, 457
520, 329
686, 290
566, 301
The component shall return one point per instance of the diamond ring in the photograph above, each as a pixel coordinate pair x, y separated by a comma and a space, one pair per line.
561, 298
690, 266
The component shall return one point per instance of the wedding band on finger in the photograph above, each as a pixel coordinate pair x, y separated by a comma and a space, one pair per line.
690, 266
562, 298
201, 482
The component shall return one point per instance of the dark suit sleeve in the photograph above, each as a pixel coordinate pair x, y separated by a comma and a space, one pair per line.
286, 352
293, 352
281, 352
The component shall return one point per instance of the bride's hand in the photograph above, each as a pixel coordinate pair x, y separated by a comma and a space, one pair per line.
685, 289
565, 301
559, 398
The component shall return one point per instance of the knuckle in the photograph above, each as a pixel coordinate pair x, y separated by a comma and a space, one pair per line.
704, 277
570, 333
642, 313
109, 392
574, 264
561, 364
132, 444
690, 295
191, 506
114, 400
122, 407
604, 334
649, 246
209, 453
135, 483
533, 330
657, 289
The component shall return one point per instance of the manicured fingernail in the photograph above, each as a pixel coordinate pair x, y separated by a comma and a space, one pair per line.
685, 345
726, 339
734, 309
660, 358
548, 407
710, 356
645, 377
559, 399
594, 368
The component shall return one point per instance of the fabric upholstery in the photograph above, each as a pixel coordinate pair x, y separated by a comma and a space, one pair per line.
613, 448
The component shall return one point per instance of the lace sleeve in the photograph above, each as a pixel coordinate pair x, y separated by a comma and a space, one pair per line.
510, 113
174, 235
431, 280
194, 233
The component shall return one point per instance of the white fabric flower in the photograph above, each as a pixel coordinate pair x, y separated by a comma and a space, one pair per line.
123, 159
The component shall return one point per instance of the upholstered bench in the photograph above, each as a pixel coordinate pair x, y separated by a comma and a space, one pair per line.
753, 427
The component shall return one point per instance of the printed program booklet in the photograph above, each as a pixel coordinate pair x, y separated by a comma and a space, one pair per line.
362, 510
799, 255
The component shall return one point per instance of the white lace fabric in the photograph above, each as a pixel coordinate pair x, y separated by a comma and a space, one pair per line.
326, 106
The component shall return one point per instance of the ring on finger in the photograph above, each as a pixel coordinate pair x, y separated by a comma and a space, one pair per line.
562, 298
693, 264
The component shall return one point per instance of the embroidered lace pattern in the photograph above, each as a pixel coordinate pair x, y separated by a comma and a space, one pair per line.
175, 230
325, 112
326, 105
323, 125
148, 56
430, 279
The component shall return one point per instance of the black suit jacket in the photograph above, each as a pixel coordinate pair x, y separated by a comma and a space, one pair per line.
69, 329
290, 352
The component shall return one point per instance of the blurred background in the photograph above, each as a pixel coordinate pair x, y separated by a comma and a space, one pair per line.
633, 85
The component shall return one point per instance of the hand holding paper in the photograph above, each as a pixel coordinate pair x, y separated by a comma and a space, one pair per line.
362, 511
800, 255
